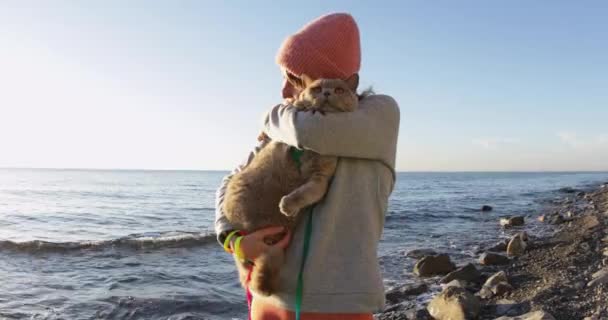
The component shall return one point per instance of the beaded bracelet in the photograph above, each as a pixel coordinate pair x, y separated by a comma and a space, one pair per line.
237, 249
227, 241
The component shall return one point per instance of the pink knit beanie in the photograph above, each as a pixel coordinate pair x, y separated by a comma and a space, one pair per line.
327, 47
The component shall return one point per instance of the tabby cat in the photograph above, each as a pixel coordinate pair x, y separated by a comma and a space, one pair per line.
274, 188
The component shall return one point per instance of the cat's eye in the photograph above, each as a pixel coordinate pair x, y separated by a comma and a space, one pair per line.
316, 89
339, 90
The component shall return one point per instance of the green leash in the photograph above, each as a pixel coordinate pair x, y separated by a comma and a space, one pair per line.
300, 287
296, 155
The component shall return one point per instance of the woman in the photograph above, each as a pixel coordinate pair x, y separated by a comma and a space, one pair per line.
342, 278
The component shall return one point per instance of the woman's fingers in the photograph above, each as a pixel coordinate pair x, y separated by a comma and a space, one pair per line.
284, 242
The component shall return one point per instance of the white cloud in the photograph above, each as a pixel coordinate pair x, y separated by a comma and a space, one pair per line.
576, 141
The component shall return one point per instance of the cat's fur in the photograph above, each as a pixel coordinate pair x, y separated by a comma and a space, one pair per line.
272, 190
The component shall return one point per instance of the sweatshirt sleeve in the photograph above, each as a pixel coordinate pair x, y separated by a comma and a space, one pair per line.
370, 132
222, 225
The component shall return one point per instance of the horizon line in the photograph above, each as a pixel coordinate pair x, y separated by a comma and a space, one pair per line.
227, 170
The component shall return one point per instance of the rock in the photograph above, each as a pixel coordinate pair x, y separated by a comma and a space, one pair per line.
569, 214
512, 221
600, 277
500, 246
420, 253
454, 303
567, 190
579, 285
400, 293
589, 222
486, 208
455, 283
517, 245
536, 315
580, 194
490, 259
434, 265
501, 288
542, 218
467, 273
497, 284
585, 246
504, 306
498, 277
556, 219
485, 293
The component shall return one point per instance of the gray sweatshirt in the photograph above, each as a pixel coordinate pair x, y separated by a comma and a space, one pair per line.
342, 273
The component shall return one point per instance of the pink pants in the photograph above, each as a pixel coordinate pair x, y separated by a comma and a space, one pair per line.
261, 311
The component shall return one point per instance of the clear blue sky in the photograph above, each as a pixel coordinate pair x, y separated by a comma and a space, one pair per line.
482, 85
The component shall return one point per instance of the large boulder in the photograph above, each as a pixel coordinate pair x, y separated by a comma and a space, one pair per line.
512, 221
491, 259
467, 273
486, 208
434, 265
454, 303
517, 245
536, 315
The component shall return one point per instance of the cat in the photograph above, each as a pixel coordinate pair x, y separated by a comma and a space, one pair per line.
273, 189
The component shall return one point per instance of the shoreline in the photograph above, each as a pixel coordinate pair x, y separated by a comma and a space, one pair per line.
556, 274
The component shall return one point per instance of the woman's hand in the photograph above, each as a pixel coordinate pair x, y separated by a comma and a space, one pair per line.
253, 244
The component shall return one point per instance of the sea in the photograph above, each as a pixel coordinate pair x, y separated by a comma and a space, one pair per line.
128, 244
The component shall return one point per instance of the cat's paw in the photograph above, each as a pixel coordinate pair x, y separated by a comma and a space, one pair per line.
288, 206
263, 137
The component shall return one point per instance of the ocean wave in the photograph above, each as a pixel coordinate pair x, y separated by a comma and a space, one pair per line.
147, 240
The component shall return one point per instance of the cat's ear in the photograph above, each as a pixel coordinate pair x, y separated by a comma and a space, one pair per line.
353, 82
306, 80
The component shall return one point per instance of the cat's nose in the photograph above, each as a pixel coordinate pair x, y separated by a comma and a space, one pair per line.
326, 93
